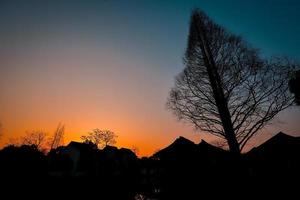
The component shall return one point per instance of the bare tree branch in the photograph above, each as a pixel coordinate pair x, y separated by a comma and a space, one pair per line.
37, 138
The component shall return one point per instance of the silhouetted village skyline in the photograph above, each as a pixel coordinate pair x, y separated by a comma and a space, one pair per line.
168, 174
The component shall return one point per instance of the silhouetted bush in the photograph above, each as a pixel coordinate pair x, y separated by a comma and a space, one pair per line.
23, 161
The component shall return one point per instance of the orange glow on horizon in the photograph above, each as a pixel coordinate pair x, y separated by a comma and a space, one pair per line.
74, 89
127, 137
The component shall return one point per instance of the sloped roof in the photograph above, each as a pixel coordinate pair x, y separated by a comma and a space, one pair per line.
208, 148
183, 147
280, 141
180, 146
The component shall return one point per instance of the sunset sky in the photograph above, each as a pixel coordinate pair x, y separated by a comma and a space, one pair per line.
110, 64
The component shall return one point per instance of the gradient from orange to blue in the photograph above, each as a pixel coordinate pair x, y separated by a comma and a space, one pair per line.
110, 64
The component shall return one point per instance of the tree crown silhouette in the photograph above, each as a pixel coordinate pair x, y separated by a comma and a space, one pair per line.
101, 138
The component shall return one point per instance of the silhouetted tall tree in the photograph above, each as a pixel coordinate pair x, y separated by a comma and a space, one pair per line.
58, 136
101, 138
226, 88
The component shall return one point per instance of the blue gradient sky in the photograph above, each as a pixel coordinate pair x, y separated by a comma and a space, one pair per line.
110, 64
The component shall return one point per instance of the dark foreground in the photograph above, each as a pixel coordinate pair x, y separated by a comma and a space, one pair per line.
183, 170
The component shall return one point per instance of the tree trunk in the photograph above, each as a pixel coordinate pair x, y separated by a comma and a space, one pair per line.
217, 88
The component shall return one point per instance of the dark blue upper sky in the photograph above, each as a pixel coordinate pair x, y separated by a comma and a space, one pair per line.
120, 49
271, 25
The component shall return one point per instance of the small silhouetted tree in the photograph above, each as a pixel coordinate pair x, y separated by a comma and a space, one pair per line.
226, 88
58, 137
37, 138
108, 137
294, 84
101, 138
